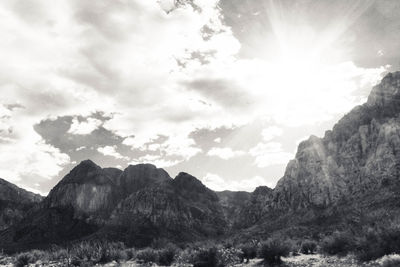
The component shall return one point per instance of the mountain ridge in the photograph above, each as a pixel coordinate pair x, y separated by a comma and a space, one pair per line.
353, 168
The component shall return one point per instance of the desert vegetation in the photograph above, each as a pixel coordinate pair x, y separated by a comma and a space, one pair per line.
370, 247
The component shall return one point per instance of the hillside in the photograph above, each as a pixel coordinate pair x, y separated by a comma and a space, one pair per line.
348, 179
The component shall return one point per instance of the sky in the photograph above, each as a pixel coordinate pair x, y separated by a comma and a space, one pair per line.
222, 89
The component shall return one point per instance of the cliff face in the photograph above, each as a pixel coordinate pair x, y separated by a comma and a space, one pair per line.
360, 154
14, 203
143, 202
87, 189
180, 209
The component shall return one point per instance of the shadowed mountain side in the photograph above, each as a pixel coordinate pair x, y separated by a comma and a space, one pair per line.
182, 209
14, 203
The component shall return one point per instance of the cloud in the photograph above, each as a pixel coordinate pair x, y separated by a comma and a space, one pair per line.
84, 127
271, 132
271, 153
110, 151
217, 183
224, 153
155, 81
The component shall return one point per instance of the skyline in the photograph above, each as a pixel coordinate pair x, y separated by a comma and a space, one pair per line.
223, 90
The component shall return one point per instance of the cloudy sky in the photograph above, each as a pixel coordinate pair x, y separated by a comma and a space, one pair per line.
224, 90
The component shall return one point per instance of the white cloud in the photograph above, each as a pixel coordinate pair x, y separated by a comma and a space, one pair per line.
110, 151
156, 160
271, 153
271, 132
84, 127
225, 153
217, 183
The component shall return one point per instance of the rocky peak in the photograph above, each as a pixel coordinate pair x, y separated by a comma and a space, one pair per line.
352, 158
11, 192
86, 172
386, 90
137, 177
87, 188
192, 187
262, 190
14, 203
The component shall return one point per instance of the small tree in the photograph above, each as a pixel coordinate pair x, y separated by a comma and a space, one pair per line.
273, 249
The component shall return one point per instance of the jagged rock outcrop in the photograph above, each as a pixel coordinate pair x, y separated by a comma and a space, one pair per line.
358, 155
14, 203
137, 177
180, 209
88, 189
142, 202
233, 203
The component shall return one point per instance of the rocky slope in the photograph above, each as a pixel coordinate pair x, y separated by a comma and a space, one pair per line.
361, 153
142, 202
348, 178
14, 203
176, 209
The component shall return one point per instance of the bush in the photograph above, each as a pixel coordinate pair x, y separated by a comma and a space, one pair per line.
390, 261
249, 251
206, 258
272, 250
166, 256
26, 258
378, 242
229, 256
109, 254
147, 255
339, 243
130, 253
308, 247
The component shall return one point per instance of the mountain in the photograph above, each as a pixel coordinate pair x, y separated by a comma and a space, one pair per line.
180, 209
347, 179
14, 203
350, 175
142, 202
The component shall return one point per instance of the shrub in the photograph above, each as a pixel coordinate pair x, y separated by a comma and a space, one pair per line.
26, 258
378, 242
308, 247
147, 255
229, 256
390, 261
206, 258
166, 256
249, 251
130, 253
109, 254
272, 250
339, 243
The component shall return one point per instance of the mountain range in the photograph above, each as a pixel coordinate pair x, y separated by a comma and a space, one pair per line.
347, 179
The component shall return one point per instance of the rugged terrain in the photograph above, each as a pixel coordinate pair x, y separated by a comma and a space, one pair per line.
347, 179
14, 203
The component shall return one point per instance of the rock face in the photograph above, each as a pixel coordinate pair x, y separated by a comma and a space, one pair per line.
180, 209
348, 177
359, 155
14, 203
87, 189
142, 202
